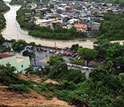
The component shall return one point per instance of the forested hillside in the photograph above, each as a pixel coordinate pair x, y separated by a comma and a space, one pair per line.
104, 88
104, 1
3, 7
112, 27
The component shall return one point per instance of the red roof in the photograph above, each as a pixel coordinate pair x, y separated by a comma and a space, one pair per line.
68, 52
6, 55
9, 53
80, 26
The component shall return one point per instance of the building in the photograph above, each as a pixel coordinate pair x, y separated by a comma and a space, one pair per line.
19, 62
81, 27
95, 26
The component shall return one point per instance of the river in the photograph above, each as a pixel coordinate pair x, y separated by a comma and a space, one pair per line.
13, 31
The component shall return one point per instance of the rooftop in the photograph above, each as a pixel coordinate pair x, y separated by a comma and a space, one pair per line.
20, 59
6, 55
80, 26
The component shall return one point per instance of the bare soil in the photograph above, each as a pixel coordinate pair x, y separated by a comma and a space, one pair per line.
34, 99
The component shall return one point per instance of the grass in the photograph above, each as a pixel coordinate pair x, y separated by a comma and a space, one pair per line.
77, 61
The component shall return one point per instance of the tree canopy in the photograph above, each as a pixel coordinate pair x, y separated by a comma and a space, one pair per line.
19, 45
112, 27
3, 6
2, 40
87, 54
111, 54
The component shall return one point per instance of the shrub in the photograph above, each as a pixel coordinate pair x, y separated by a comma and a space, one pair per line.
77, 61
19, 88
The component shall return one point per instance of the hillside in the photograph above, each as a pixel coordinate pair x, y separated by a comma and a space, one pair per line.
10, 98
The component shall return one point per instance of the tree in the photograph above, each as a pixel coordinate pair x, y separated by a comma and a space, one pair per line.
3, 6
87, 54
19, 45
55, 60
74, 47
2, 40
112, 27
30, 54
101, 46
32, 43
111, 55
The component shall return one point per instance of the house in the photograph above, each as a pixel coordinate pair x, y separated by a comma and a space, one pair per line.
81, 27
72, 21
47, 23
33, 5
19, 62
95, 26
44, 22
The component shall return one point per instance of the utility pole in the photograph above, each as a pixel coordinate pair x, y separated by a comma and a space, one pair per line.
55, 43
34, 57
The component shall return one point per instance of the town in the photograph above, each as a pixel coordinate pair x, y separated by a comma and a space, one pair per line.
84, 16
61, 53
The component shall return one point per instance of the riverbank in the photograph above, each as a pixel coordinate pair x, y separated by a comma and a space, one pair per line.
3, 8
13, 31
58, 33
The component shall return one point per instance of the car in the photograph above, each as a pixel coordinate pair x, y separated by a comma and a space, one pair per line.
66, 48
56, 52
74, 65
45, 50
85, 68
41, 49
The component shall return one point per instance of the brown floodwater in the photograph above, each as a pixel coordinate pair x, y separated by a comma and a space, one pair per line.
13, 31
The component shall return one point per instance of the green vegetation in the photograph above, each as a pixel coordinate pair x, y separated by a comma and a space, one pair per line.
19, 45
9, 78
45, 32
87, 54
19, 88
2, 22
14, 83
77, 61
27, 53
112, 27
104, 88
3, 6
120, 2
2, 40
4, 49
20, 2
2, 25
111, 55
74, 47
13, 2
59, 71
